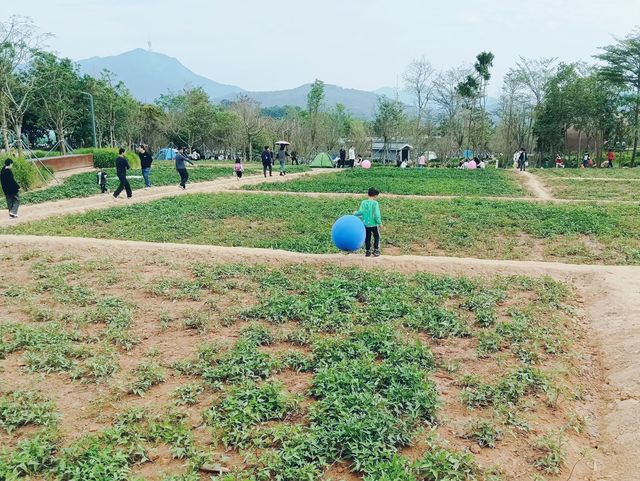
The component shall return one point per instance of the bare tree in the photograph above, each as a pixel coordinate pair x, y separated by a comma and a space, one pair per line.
20, 44
535, 74
418, 79
252, 122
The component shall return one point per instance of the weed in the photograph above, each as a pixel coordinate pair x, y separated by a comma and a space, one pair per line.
23, 408
552, 453
483, 432
147, 376
188, 394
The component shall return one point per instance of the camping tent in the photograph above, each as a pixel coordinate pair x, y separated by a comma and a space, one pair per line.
166, 154
321, 160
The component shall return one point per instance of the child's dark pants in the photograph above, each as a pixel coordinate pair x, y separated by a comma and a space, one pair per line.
376, 238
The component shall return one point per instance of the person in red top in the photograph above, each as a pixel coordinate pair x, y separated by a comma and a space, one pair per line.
610, 158
559, 162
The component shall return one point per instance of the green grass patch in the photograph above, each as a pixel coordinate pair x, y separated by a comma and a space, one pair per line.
594, 189
476, 228
493, 183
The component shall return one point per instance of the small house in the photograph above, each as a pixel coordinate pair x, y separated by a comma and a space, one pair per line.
391, 152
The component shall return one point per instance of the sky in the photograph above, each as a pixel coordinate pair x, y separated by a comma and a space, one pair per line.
363, 44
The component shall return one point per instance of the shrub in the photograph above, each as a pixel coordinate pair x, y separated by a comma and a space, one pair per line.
27, 174
105, 158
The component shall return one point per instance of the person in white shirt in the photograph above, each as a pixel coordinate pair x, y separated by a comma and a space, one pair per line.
352, 156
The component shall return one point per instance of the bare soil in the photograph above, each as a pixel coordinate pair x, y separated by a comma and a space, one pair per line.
607, 305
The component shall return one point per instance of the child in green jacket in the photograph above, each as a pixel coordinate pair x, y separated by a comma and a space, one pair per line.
369, 212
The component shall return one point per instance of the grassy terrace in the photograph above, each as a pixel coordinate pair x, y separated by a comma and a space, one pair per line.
475, 228
177, 366
389, 180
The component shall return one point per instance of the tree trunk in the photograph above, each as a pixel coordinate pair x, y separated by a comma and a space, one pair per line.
636, 128
18, 130
60, 135
5, 132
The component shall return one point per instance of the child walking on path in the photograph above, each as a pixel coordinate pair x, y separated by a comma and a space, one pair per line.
369, 212
101, 178
238, 168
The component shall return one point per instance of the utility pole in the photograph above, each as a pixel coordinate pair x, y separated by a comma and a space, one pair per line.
93, 118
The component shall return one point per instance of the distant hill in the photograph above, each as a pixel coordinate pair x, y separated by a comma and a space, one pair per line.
150, 74
359, 103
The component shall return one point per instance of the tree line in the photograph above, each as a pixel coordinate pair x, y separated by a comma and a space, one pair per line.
545, 105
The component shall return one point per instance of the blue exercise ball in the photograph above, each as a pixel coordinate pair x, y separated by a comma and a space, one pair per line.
348, 233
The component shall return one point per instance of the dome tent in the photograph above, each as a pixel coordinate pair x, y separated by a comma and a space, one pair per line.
321, 160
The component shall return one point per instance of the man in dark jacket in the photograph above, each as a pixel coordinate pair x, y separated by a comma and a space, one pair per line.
122, 165
343, 158
267, 161
181, 167
145, 164
10, 188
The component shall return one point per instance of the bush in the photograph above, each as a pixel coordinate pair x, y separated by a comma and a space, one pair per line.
105, 158
27, 174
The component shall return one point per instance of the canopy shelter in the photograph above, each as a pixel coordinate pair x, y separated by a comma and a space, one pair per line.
321, 160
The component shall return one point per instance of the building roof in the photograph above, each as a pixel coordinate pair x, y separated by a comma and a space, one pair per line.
377, 145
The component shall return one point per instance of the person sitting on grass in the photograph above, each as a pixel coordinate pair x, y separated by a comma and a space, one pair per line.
10, 188
369, 212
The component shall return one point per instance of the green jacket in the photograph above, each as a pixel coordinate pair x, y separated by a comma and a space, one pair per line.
369, 212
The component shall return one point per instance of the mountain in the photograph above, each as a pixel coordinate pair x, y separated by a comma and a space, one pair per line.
402, 95
149, 74
359, 103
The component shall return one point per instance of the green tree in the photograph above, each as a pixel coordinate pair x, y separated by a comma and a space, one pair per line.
57, 95
315, 99
622, 67
388, 121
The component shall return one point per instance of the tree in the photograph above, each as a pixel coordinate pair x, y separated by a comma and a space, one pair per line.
58, 94
315, 98
535, 74
251, 121
446, 96
622, 68
418, 79
20, 44
388, 120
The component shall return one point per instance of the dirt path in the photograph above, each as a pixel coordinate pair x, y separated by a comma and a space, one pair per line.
535, 186
599, 179
609, 299
84, 204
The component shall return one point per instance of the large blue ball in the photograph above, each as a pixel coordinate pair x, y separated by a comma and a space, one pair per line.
348, 233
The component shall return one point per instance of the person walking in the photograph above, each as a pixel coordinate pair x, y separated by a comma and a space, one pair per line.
522, 159
422, 161
343, 158
267, 161
352, 156
294, 158
282, 158
122, 165
238, 168
181, 167
10, 188
610, 158
145, 164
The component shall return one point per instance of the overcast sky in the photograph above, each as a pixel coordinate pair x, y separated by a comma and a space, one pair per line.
364, 44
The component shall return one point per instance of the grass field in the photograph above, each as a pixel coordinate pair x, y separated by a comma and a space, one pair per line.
290, 373
498, 183
462, 228
605, 173
594, 189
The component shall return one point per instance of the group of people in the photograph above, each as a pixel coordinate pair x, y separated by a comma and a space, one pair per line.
343, 161
146, 159
472, 164
268, 159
